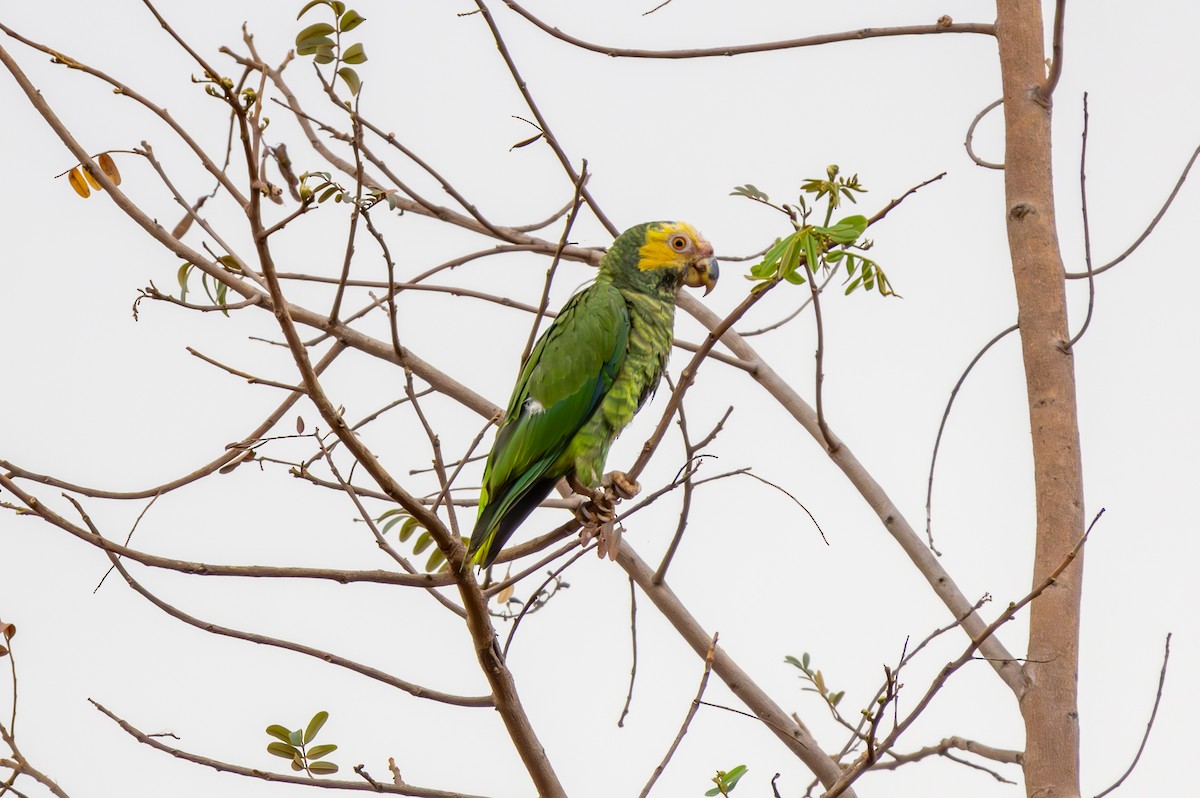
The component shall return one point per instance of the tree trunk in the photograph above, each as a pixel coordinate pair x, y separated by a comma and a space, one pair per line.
1048, 704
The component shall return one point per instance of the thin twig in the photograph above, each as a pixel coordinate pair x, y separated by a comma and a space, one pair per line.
550, 138
128, 538
562, 242
851, 773
942, 428
23, 767
1162, 678
688, 376
762, 47
886, 209
400, 788
969, 141
1087, 230
819, 373
1149, 228
525, 608
687, 720
633, 649
250, 378
1046, 90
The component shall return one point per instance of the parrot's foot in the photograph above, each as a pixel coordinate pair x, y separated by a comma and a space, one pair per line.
597, 515
619, 483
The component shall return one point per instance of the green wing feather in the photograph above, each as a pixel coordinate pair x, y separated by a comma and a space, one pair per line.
569, 371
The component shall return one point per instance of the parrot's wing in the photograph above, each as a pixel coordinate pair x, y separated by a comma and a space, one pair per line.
568, 372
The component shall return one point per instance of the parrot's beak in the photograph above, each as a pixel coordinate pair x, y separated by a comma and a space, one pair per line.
703, 272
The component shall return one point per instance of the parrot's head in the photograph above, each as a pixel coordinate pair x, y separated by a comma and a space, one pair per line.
664, 255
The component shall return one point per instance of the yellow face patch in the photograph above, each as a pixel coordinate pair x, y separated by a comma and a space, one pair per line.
670, 245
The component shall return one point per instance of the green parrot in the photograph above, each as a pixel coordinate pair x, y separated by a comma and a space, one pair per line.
587, 376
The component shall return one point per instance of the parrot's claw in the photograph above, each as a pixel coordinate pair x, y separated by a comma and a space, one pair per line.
596, 512
620, 484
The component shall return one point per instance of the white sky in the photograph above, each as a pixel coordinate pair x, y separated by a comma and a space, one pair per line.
92, 397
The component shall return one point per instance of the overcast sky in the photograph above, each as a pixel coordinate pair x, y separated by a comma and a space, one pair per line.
92, 396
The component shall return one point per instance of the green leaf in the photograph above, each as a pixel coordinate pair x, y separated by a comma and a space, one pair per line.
776, 251
423, 542
309, 5
322, 768
297, 763
810, 253
733, 777
338, 7
329, 192
318, 751
222, 293
349, 21
396, 516
320, 44
760, 271
351, 77
435, 559
836, 698
279, 732
855, 283
282, 750
207, 290
183, 281
324, 55
794, 277
410, 526
313, 31
354, 54
314, 725
749, 190
847, 230
805, 661
296, 737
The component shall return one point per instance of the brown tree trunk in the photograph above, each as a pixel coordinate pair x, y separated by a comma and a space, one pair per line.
1048, 704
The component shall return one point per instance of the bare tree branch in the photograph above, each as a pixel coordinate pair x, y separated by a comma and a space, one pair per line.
399, 788
739, 49
1162, 678
937, 443
687, 720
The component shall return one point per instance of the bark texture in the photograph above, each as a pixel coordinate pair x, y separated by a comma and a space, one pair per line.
1048, 703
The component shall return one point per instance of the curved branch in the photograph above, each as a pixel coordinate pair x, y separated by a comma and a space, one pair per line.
794, 736
411, 688
893, 520
1149, 228
550, 138
761, 47
942, 428
233, 452
255, 773
969, 141
39, 508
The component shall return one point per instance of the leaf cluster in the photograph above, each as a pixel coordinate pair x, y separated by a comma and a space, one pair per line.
218, 295
817, 679
820, 246
325, 188
294, 745
408, 527
315, 41
726, 780
82, 181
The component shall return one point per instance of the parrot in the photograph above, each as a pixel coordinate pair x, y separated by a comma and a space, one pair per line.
586, 377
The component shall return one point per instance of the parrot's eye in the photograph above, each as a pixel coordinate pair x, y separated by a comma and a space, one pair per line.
679, 243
